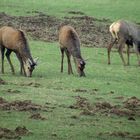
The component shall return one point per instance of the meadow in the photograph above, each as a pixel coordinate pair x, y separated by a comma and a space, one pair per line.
104, 105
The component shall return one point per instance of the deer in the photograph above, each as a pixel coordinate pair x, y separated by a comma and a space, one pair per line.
125, 33
14, 40
70, 44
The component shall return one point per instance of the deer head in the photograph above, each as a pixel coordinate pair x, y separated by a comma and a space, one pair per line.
80, 67
29, 66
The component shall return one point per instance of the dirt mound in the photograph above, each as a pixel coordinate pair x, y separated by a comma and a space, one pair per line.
80, 90
81, 103
2, 82
132, 103
126, 135
76, 12
26, 105
93, 32
106, 108
88, 91
6, 133
33, 84
12, 91
37, 116
22, 131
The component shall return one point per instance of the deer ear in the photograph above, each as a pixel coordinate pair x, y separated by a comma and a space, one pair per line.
35, 60
30, 62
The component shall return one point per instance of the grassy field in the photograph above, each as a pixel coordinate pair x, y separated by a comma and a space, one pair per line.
109, 9
48, 87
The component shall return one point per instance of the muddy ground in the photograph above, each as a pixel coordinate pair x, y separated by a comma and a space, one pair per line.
2, 82
19, 131
17, 105
130, 107
93, 32
124, 135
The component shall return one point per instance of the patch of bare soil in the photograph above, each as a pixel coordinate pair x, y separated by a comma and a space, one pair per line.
132, 103
37, 116
126, 135
130, 108
12, 91
92, 91
26, 105
80, 90
2, 82
6, 133
31, 84
81, 103
76, 12
92, 32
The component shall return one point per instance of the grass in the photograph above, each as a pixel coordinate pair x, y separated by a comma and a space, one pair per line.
110, 9
59, 89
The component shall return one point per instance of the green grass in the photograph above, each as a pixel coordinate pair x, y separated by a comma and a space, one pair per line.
58, 89
110, 9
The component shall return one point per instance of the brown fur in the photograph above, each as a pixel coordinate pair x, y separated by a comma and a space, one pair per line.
15, 40
70, 44
124, 32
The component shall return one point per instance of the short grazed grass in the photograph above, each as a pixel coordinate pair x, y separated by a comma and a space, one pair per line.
59, 90
108, 9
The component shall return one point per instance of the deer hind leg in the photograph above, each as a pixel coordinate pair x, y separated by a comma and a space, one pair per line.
121, 43
70, 71
9, 60
2, 58
62, 58
109, 49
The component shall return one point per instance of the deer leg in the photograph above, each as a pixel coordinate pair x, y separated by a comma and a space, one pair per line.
128, 55
138, 55
70, 71
2, 58
109, 49
9, 60
62, 58
120, 48
21, 64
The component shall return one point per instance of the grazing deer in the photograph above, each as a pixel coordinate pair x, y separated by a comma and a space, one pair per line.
70, 44
124, 32
14, 40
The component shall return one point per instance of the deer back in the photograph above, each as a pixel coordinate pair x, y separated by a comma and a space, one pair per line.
68, 38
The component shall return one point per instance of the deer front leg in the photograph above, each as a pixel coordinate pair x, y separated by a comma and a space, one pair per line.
70, 71
21, 64
138, 55
62, 58
2, 58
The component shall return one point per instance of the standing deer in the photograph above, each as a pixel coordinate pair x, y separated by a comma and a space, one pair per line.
14, 40
70, 44
124, 32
